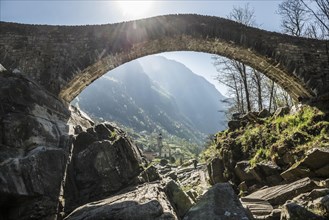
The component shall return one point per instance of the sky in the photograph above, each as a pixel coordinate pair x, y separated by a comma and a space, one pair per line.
82, 12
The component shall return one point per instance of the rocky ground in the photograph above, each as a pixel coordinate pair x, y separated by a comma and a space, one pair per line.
278, 165
56, 163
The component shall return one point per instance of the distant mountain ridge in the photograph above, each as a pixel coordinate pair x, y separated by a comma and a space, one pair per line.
156, 94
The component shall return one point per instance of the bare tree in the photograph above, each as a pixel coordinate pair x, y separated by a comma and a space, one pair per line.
305, 18
294, 17
234, 73
319, 9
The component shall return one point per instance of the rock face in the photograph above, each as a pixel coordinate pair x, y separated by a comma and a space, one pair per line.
39, 169
147, 202
219, 202
34, 141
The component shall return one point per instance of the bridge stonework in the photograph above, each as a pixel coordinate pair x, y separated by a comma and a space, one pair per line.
66, 59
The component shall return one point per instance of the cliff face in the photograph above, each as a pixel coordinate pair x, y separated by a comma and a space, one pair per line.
50, 154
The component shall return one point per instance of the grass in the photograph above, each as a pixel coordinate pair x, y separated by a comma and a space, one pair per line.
293, 133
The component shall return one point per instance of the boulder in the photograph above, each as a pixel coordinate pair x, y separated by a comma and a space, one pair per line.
219, 202
215, 171
147, 202
314, 201
259, 208
278, 195
282, 111
103, 167
251, 117
242, 171
264, 113
315, 164
179, 199
293, 211
30, 186
268, 173
150, 174
324, 205
104, 161
34, 142
234, 124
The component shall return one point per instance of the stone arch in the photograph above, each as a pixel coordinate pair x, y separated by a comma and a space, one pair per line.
66, 59
290, 83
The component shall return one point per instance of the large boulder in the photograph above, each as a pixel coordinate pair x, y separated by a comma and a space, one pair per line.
219, 202
104, 161
242, 171
147, 202
215, 171
179, 199
34, 142
278, 195
293, 211
259, 208
315, 164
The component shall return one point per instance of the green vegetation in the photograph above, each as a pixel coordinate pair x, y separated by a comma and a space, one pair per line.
275, 138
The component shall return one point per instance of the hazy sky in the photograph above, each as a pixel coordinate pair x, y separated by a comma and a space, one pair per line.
81, 12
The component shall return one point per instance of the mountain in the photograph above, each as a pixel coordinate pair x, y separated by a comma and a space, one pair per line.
196, 98
156, 94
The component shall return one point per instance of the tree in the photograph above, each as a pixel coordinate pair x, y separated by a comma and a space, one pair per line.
294, 17
305, 18
234, 74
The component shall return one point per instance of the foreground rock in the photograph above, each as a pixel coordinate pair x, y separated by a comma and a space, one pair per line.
292, 211
219, 202
315, 164
104, 161
34, 142
179, 199
147, 202
278, 195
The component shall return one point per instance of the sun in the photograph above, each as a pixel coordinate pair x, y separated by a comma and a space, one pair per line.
134, 9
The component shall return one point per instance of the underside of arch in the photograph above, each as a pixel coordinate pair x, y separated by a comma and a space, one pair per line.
271, 68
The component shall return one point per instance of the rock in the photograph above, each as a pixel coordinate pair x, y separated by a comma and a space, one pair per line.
192, 194
234, 124
314, 201
242, 171
219, 202
215, 171
259, 208
278, 195
164, 162
315, 164
147, 202
324, 205
102, 167
172, 175
281, 112
179, 199
251, 117
150, 174
30, 186
34, 142
264, 113
292, 211
268, 173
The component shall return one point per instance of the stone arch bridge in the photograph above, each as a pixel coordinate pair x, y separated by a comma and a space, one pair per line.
66, 59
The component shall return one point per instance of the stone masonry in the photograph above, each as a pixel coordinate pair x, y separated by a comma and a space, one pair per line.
66, 59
